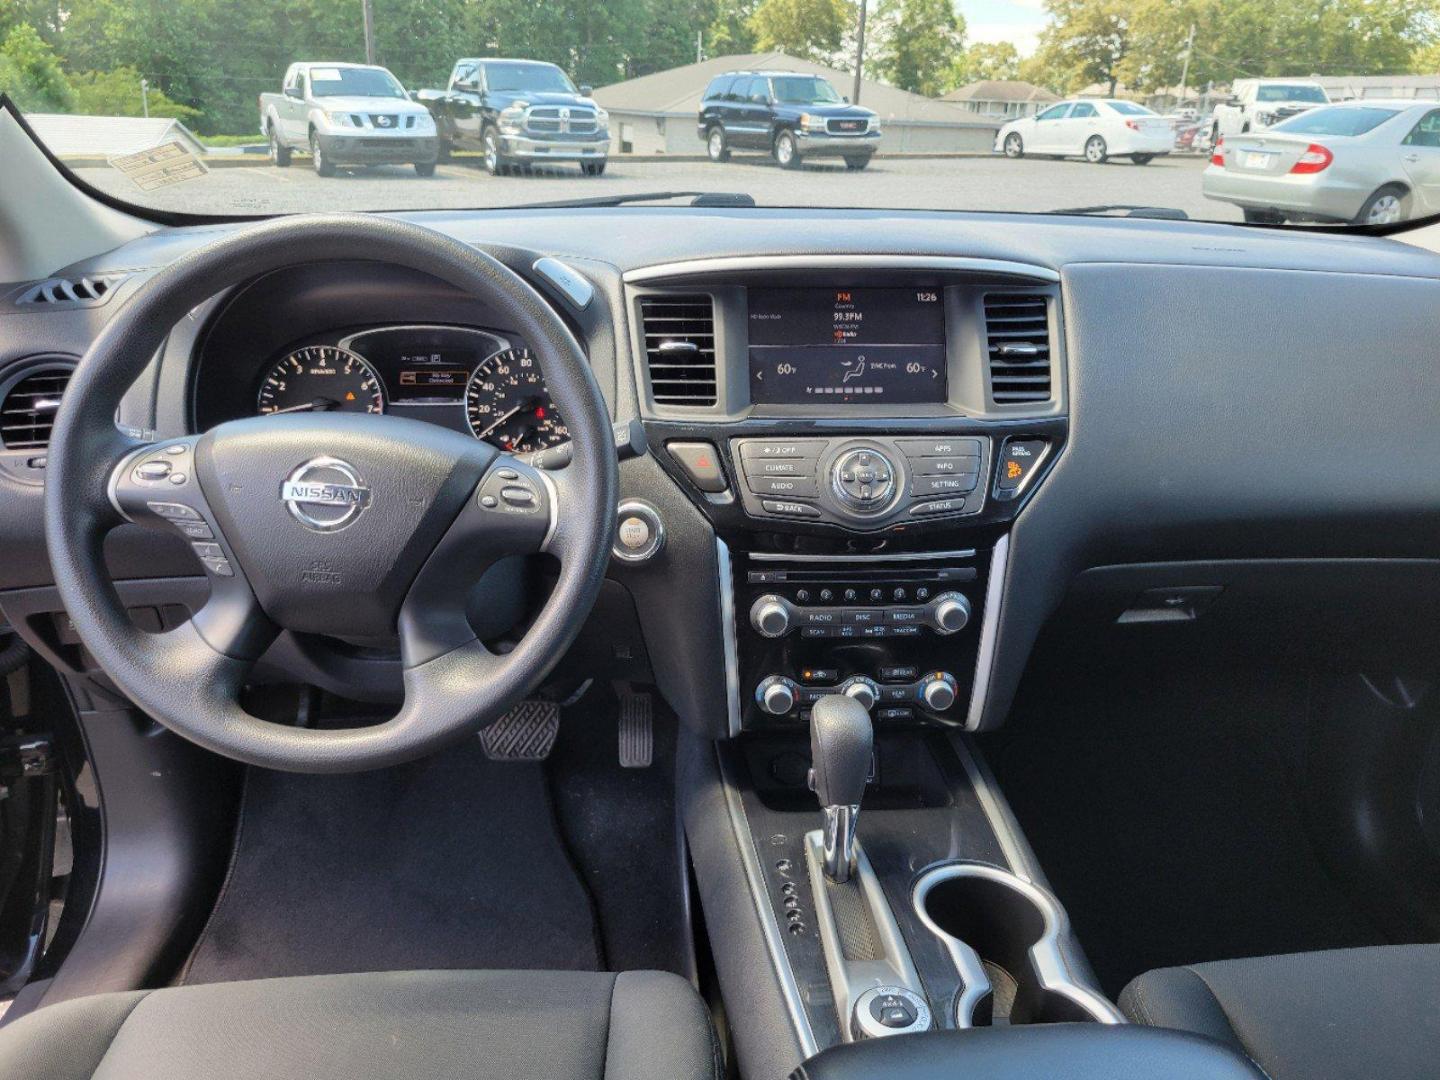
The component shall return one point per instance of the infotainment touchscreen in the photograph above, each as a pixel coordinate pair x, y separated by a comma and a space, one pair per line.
881, 346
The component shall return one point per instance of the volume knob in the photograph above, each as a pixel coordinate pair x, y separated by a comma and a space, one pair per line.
770, 616
949, 613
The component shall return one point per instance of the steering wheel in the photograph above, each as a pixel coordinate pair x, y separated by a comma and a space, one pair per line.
352, 525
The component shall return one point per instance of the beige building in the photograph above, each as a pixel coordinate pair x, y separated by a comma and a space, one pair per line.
1001, 99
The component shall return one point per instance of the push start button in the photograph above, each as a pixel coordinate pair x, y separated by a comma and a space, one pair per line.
640, 534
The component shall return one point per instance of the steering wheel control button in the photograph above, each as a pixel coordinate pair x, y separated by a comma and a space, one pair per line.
517, 495
209, 550
640, 534
175, 449
701, 462
178, 478
509, 491
174, 511
1019, 458
152, 470
219, 567
882, 1011
195, 530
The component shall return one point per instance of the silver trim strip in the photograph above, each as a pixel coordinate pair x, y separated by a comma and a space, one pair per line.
553, 491
697, 267
1049, 961
769, 927
997, 812
727, 636
989, 631
902, 556
112, 486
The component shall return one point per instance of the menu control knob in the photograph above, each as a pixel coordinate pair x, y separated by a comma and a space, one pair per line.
949, 613
776, 695
770, 616
862, 690
937, 691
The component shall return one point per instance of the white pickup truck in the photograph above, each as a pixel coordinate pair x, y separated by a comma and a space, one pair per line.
347, 114
1257, 104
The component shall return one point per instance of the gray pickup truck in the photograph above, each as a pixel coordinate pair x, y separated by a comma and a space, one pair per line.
347, 114
519, 112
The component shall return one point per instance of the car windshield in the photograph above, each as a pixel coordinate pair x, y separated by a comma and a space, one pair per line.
798, 90
527, 78
232, 108
1355, 121
353, 82
1286, 92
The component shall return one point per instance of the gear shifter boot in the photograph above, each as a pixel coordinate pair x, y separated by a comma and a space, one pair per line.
841, 740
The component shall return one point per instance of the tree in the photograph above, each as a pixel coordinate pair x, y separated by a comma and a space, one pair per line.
809, 29
117, 93
729, 30
1087, 41
918, 44
989, 60
30, 72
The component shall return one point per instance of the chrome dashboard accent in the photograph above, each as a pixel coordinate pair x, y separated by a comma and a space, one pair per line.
989, 631
899, 556
726, 264
727, 633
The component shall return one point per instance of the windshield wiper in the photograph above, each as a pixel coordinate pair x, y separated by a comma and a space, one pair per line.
697, 198
1165, 213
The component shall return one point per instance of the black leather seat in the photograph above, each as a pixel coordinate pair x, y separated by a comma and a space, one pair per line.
1348, 1013
410, 1025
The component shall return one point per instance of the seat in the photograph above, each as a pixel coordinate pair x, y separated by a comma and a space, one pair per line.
1337, 1015
411, 1025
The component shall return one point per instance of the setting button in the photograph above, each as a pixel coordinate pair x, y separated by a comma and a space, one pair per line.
701, 463
924, 486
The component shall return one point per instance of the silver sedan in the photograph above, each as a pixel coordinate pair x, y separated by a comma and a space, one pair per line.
1369, 162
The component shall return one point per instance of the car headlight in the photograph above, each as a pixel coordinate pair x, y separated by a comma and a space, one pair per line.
812, 123
874, 124
424, 122
602, 118
339, 119
512, 118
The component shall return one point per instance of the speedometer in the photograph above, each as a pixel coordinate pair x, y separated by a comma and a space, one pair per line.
321, 378
507, 404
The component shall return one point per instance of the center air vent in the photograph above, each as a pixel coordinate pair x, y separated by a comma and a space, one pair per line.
680, 348
89, 291
1017, 333
27, 412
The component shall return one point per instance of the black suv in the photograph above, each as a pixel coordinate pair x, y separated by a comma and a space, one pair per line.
790, 115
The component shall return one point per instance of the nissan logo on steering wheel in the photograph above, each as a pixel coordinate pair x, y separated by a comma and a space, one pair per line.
325, 494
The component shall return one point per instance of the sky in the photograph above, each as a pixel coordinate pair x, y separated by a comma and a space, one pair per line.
1016, 21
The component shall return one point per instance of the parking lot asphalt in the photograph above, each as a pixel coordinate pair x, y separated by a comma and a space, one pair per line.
951, 183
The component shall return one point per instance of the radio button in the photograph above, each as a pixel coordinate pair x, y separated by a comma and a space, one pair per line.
797, 487
923, 486
946, 466
789, 509
789, 448
930, 448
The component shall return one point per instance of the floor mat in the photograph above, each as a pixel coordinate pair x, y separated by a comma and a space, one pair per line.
1159, 802
449, 862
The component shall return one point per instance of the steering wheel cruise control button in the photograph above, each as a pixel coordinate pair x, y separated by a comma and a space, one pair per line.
152, 470
174, 511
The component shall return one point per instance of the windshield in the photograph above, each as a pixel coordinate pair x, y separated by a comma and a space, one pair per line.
1291, 93
1336, 121
225, 108
353, 82
795, 90
527, 78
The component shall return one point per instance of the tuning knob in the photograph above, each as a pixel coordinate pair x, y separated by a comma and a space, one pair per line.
770, 616
937, 691
776, 695
949, 613
862, 690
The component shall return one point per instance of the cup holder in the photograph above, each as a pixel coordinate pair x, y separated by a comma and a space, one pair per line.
1004, 935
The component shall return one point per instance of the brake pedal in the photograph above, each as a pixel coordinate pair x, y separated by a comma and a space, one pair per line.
526, 733
637, 731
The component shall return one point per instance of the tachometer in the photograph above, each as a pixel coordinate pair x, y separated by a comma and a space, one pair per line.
507, 404
321, 378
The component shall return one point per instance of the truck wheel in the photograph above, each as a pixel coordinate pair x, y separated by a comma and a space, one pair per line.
1014, 145
715, 145
279, 155
787, 152
425, 168
323, 165
1387, 206
592, 168
1263, 217
1142, 159
1096, 152
495, 163
856, 162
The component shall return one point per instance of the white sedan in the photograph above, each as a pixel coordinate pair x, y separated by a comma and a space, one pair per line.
1096, 129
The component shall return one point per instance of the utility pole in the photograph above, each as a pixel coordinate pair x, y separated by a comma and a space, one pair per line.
368, 12
859, 55
1185, 68
145, 97
699, 46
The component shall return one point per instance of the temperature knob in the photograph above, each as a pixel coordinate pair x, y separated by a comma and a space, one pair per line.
937, 691
770, 616
862, 690
949, 613
776, 695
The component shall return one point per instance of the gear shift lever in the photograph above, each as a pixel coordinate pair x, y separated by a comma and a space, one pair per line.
841, 738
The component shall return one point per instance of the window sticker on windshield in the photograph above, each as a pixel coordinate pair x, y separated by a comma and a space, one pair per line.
169, 163
324, 74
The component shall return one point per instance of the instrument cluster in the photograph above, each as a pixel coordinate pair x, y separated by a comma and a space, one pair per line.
457, 376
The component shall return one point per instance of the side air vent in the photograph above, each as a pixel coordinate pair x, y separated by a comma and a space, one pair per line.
680, 348
89, 291
27, 412
1017, 333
